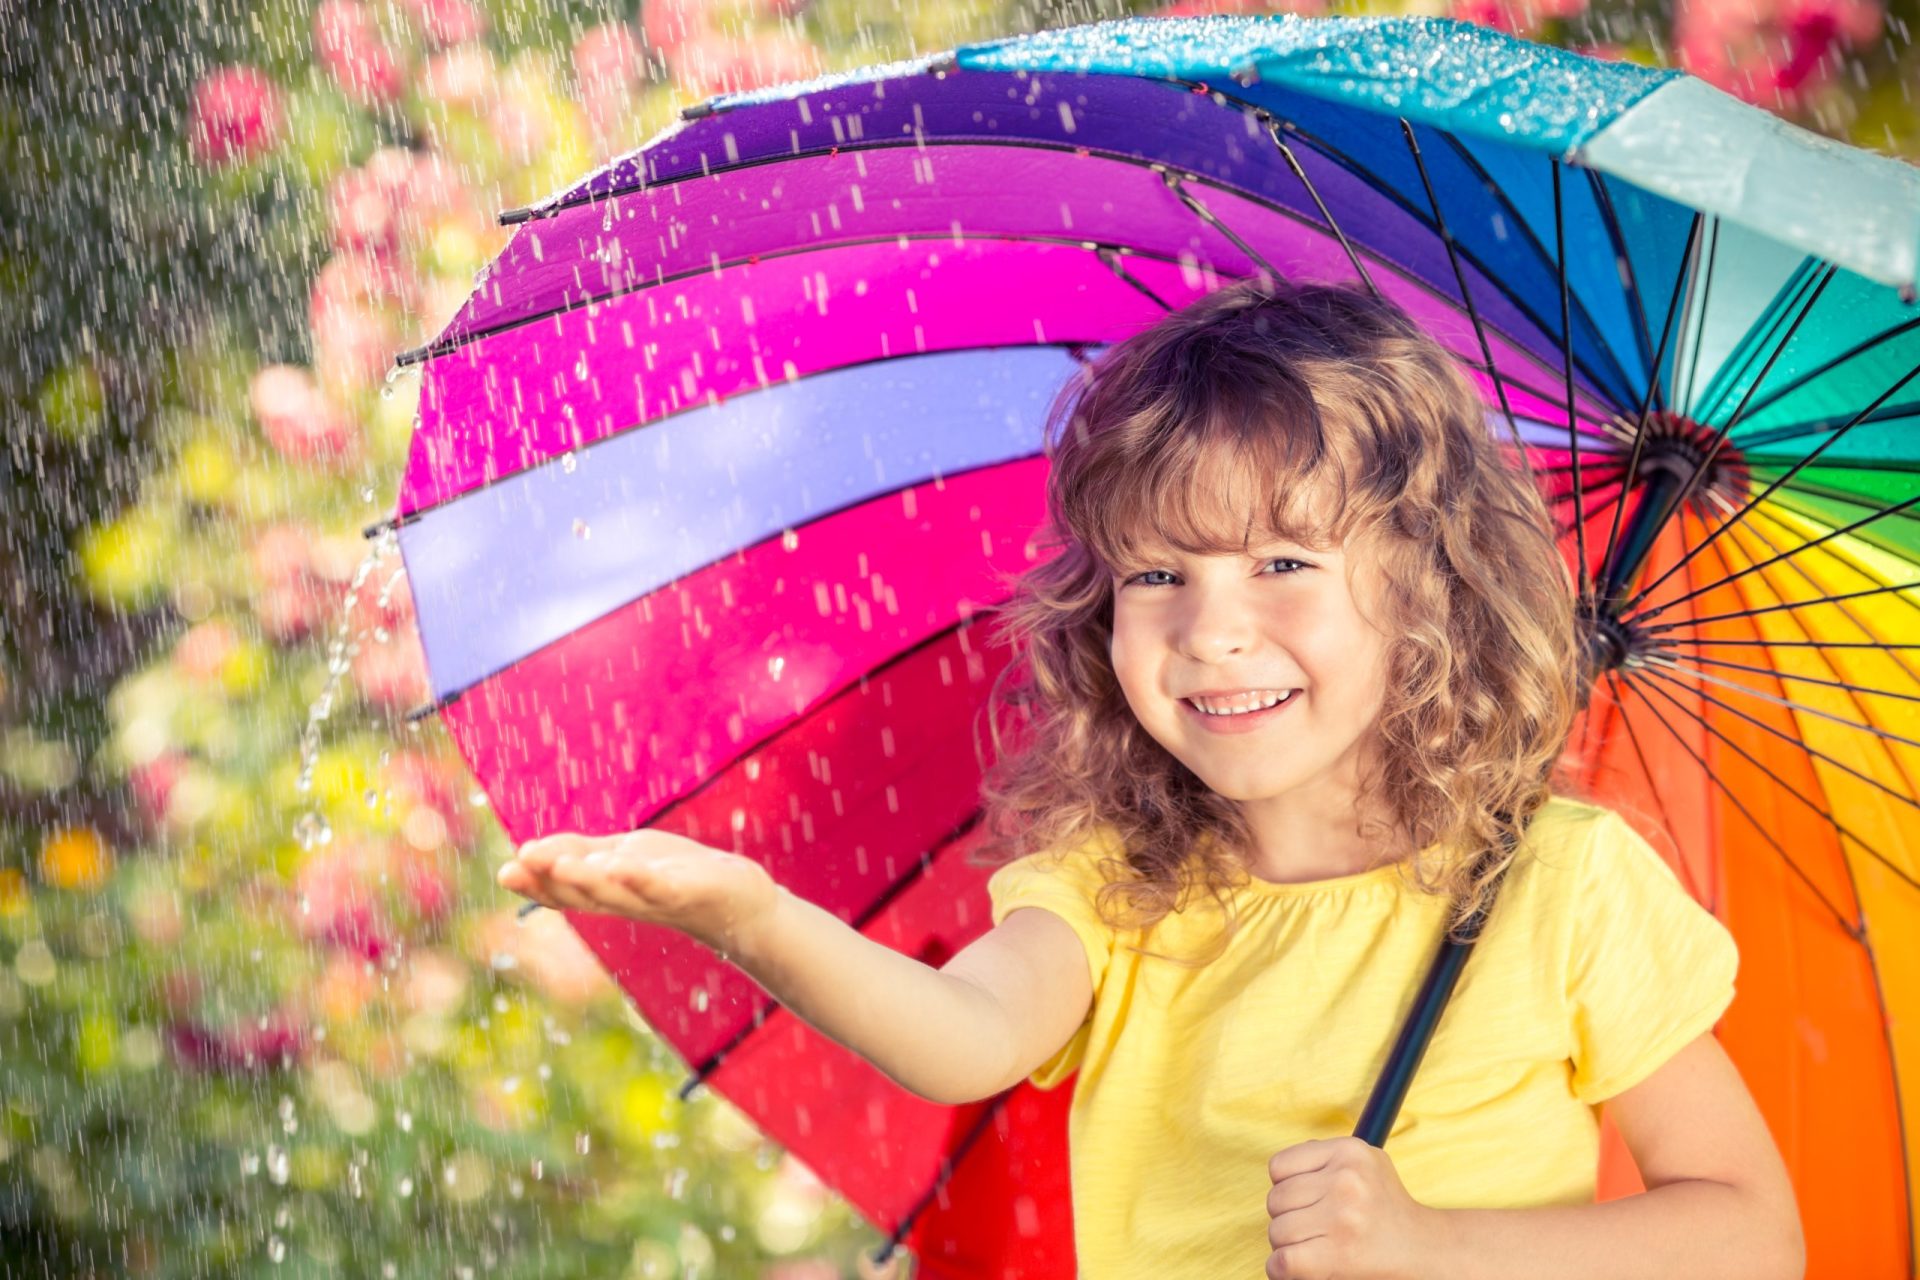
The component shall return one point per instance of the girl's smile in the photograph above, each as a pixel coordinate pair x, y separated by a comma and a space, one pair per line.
1224, 711
1261, 671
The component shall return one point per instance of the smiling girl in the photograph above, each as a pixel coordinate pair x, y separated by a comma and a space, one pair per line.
1307, 649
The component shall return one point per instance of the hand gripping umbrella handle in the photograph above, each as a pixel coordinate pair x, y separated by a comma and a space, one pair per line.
1391, 1088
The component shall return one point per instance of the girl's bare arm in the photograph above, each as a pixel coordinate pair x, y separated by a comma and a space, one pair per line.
967, 1031
998, 1009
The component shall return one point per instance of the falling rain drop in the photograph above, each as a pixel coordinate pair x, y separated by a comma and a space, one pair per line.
312, 830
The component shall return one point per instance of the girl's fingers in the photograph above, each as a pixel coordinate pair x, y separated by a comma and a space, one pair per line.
597, 886
541, 853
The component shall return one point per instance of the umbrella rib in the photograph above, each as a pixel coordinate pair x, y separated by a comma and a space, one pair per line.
1687, 256
1705, 281
448, 347
1274, 125
1110, 254
1498, 192
1579, 521
948, 1166
1755, 500
1466, 295
1906, 778
1561, 468
1790, 644
1855, 929
1630, 279
1787, 737
1657, 660
1784, 555
1646, 771
920, 142
1819, 370
1755, 446
1721, 434
1728, 377
766, 1008
1899, 465
1199, 210
1662, 627
1845, 612
1839, 498
1566, 348
1778, 674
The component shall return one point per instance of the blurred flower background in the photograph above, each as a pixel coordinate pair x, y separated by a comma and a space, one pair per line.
263, 1009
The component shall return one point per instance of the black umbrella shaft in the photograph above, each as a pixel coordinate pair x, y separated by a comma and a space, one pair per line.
1391, 1088
1656, 488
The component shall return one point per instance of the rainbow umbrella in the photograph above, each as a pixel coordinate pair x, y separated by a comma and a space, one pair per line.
718, 473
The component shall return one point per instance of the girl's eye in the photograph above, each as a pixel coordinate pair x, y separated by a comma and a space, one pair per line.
1140, 578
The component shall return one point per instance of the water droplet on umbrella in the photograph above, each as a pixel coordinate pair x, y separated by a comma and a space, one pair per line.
568, 462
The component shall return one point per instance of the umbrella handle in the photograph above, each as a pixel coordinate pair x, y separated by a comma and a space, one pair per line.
1411, 1045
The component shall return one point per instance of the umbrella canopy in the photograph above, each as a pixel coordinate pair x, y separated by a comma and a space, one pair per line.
724, 464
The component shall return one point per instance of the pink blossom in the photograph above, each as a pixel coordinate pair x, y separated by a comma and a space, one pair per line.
353, 347
152, 782
713, 63
290, 612
362, 214
414, 780
204, 649
463, 77
237, 115
428, 884
246, 1047
1200, 8
1773, 53
336, 902
445, 22
298, 419
669, 24
1518, 17
349, 46
609, 59
392, 676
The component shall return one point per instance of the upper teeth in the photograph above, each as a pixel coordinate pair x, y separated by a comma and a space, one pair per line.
1241, 703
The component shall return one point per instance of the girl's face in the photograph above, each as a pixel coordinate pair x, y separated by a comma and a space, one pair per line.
1199, 639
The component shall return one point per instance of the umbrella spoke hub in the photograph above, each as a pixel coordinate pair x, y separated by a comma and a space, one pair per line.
1678, 444
1612, 642
1677, 461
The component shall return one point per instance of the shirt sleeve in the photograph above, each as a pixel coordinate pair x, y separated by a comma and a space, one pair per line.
1650, 968
1064, 883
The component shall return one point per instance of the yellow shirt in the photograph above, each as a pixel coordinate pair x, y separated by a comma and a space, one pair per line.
1595, 966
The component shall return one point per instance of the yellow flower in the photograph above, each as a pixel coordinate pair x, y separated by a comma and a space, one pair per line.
75, 859
13, 892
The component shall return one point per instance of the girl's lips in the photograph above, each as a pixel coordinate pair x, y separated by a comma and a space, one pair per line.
1245, 722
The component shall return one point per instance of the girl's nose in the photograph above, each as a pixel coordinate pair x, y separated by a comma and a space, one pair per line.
1213, 625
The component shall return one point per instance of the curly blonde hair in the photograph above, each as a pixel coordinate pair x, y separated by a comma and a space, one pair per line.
1291, 387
